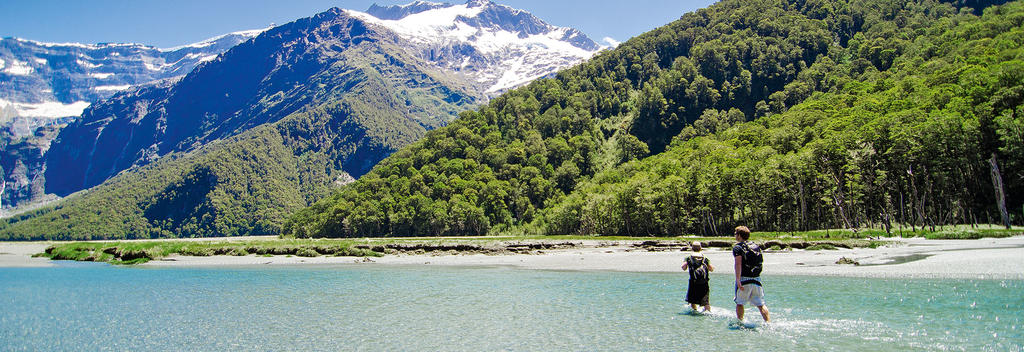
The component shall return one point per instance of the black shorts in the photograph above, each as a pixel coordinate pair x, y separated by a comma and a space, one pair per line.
698, 293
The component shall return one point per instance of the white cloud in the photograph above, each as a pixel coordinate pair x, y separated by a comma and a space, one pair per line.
611, 41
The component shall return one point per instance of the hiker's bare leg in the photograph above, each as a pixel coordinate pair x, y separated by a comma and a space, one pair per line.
693, 306
739, 312
764, 313
707, 307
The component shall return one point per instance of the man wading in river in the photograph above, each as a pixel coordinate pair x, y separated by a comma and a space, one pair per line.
748, 274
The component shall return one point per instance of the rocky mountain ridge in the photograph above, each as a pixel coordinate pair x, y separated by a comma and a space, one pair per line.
497, 46
40, 82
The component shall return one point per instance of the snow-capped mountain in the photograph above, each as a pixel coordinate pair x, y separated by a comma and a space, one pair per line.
388, 74
40, 82
497, 46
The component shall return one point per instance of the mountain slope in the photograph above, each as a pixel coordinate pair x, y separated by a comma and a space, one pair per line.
502, 166
246, 139
278, 73
47, 85
243, 185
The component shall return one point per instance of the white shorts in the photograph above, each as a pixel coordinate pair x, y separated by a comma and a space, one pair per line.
752, 294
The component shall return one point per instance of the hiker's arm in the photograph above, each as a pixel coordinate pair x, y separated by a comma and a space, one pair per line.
710, 267
684, 265
739, 269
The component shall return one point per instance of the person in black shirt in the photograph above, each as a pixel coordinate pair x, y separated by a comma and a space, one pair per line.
748, 274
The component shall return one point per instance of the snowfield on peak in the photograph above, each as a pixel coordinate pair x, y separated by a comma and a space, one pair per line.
497, 46
57, 80
50, 109
247, 34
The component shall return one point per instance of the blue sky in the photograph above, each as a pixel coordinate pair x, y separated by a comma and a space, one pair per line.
169, 23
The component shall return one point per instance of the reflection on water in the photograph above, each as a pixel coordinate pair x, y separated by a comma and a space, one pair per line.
98, 307
903, 259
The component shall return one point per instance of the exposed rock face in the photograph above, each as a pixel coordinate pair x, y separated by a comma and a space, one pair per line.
499, 47
23, 164
398, 12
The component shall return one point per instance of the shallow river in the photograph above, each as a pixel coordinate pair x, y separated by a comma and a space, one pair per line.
86, 306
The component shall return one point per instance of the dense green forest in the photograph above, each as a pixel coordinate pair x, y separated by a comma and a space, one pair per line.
864, 113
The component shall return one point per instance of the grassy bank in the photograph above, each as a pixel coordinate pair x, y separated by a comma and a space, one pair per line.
137, 252
958, 232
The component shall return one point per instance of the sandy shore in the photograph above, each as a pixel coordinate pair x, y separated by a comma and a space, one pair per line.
19, 254
916, 258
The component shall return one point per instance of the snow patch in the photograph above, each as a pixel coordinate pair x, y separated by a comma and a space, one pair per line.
111, 88
100, 75
67, 45
82, 46
50, 109
153, 67
509, 59
200, 57
41, 61
87, 64
252, 33
18, 68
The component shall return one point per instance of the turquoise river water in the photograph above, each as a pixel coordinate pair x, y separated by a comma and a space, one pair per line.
86, 307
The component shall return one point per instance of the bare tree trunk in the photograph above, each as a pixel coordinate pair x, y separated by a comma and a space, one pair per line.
714, 227
997, 183
839, 200
887, 222
803, 208
918, 202
903, 218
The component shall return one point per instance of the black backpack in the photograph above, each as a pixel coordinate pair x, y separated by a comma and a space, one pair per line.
698, 269
752, 258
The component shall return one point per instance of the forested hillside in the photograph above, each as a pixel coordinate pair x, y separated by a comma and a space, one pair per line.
899, 108
911, 145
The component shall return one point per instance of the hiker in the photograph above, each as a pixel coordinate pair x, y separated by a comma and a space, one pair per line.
748, 274
698, 291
